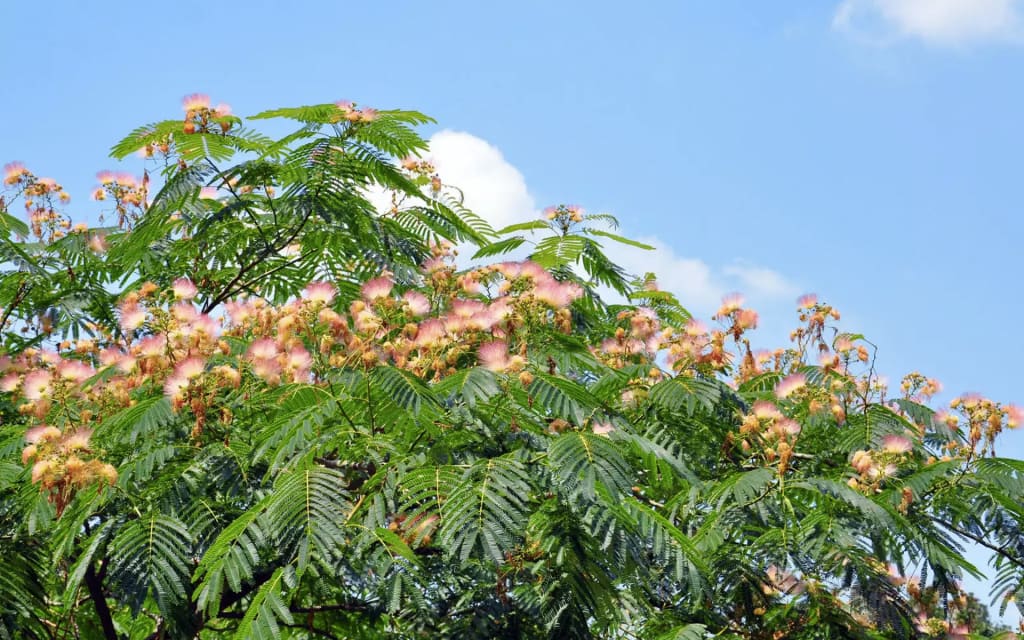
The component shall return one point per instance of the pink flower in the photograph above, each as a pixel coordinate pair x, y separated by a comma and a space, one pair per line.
189, 368
764, 410
345, 105
695, 328
862, 461
10, 382
184, 289
195, 102
76, 441
263, 349
208, 193
1014, 416
556, 294
175, 387
377, 288
13, 172
897, 444
322, 292
126, 180
239, 312
731, 302
790, 384
132, 317
42, 433
747, 319
152, 346
36, 385
603, 428
494, 355
222, 110
430, 333
298, 359
75, 371
418, 303
807, 301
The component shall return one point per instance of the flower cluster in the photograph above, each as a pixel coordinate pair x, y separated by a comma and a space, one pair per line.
564, 213
350, 111
42, 197
62, 463
766, 432
128, 193
873, 467
200, 117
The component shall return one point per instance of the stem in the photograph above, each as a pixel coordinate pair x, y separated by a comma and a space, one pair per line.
99, 601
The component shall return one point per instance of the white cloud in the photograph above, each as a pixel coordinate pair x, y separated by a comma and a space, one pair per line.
939, 22
765, 281
497, 191
493, 188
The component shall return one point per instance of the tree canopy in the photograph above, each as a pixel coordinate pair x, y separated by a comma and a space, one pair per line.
258, 404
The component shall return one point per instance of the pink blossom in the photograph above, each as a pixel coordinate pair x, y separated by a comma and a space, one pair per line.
195, 102
695, 328
897, 444
377, 288
494, 355
42, 433
36, 385
75, 371
132, 316
76, 441
152, 346
262, 349
556, 294
790, 384
175, 387
764, 410
298, 359
322, 292
189, 368
222, 110
418, 303
807, 301
184, 289
10, 382
208, 193
430, 333
603, 428
1014, 416
730, 302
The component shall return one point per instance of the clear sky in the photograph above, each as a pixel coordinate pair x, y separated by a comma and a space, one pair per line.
867, 150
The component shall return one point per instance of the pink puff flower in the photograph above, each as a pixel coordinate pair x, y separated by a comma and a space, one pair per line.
494, 355
195, 101
262, 349
184, 289
377, 288
806, 301
790, 384
322, 292
417, 303
897, 444
190, 368
36, 385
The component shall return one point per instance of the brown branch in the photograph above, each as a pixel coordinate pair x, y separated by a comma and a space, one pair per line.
99, 601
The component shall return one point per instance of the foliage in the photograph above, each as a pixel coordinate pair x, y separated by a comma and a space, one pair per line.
260, 405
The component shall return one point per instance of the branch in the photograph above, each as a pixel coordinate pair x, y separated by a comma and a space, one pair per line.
99, 601
1001, 551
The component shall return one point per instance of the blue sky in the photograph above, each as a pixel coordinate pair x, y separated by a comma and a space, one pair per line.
866, 150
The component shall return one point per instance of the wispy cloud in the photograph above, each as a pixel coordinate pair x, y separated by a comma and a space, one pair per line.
936, 22
497, 190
